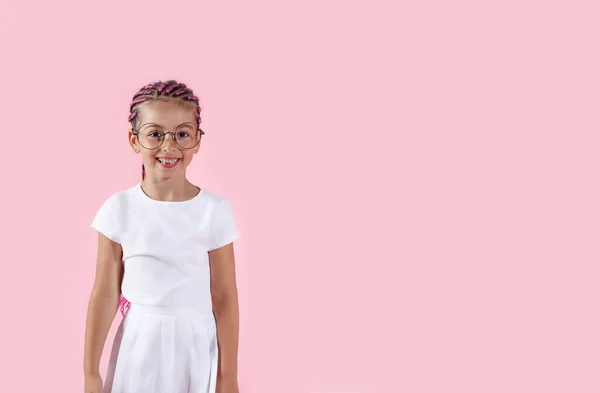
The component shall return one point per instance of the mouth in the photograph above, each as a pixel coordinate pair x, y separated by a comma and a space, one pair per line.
168, 162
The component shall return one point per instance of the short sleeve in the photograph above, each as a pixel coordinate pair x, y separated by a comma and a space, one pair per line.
223, 229
107, 221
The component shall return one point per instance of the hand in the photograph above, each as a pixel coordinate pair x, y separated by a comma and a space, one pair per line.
93, 383
227, 385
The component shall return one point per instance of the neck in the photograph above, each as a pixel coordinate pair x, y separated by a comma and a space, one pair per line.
171, 189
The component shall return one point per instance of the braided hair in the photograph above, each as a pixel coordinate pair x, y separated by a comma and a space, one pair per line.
170, 90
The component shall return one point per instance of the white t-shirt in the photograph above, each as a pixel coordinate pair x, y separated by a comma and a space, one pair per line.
165, 244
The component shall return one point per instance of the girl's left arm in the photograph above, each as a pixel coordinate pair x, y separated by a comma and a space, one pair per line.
225, 306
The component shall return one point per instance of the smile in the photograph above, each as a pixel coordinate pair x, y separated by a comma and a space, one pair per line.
168, 161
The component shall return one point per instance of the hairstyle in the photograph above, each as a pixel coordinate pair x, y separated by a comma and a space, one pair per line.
170, 90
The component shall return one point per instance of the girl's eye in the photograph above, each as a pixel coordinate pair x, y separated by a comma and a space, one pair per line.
183, 135
155, 134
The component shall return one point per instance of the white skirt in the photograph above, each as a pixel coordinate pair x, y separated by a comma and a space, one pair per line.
162, 349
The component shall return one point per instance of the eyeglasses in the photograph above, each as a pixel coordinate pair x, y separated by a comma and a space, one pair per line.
151, 136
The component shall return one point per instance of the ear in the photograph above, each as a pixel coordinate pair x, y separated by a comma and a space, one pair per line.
133, 141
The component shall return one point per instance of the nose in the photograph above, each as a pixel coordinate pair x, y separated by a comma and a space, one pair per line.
169, 143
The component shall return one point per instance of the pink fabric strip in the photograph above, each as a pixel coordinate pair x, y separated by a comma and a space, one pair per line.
124, 305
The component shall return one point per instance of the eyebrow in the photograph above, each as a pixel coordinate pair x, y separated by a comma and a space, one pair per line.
163, 126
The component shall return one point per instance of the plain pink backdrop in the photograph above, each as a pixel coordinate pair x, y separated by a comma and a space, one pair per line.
416, 186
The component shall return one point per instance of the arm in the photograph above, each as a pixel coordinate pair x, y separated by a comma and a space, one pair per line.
103, 304
225, 306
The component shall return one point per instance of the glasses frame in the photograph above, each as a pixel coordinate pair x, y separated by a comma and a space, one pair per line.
136, 132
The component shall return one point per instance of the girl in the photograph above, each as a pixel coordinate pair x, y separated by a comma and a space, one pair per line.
165, 257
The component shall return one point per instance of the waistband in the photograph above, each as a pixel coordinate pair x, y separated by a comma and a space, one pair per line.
126, 307
136, 308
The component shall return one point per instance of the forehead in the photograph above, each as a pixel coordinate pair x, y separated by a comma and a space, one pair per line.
166, 113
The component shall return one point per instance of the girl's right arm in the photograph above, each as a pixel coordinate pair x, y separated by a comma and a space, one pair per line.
103, 304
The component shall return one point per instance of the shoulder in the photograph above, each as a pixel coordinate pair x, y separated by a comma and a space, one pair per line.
121, 199
223, 228
218, 207
214, 198
111, 218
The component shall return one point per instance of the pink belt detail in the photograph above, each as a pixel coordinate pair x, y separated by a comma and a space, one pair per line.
124, 305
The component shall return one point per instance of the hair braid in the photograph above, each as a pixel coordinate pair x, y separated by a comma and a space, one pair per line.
170, 90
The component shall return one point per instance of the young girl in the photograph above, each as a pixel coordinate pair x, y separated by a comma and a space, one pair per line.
165, 258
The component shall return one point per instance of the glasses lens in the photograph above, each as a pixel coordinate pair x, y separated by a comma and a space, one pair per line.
150, 136
186, 135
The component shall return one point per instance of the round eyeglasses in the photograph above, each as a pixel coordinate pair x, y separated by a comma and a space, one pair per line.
151, 136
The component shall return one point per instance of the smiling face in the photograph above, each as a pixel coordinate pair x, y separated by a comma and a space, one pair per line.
169, 160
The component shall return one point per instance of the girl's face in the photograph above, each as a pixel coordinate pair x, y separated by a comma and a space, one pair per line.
169, 116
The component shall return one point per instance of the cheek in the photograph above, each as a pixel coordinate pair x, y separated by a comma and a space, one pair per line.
148, 157
188, 156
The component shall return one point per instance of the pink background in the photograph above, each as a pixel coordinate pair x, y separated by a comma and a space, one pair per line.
416, 185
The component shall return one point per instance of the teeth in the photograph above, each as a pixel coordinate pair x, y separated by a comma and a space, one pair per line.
167, 161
